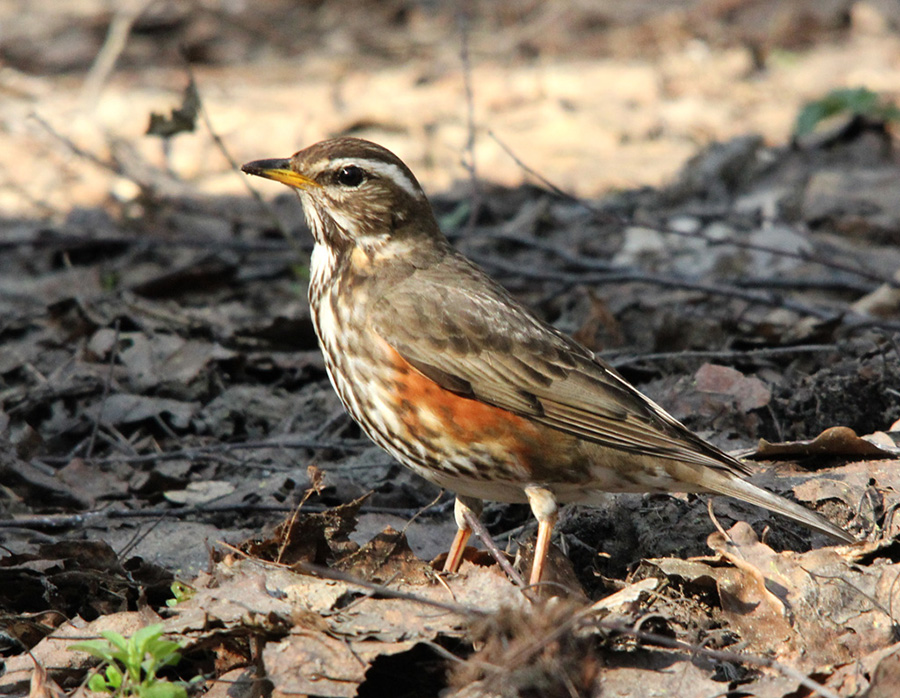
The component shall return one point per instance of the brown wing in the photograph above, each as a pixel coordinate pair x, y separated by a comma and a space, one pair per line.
463, 331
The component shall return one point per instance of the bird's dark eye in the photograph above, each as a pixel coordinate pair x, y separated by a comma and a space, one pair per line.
350, 176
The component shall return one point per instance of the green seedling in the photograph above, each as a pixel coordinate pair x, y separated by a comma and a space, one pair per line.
181, 592
853, 102
130, 664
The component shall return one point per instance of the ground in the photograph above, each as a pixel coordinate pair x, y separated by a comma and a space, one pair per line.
634, 175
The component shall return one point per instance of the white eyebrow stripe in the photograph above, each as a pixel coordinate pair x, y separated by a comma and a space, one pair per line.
385, 169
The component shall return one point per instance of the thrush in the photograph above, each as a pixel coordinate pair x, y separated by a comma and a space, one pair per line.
446, 371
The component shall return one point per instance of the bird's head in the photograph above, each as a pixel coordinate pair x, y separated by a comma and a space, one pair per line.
355, 194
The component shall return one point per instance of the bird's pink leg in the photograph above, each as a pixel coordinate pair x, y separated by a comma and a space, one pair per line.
544, 507
463, 530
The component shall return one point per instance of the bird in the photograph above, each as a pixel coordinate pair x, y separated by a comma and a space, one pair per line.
442, 368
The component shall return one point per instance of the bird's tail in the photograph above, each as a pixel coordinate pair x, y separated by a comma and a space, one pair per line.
735, 486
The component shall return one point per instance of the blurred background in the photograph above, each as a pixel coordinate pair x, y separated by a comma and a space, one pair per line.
595, 96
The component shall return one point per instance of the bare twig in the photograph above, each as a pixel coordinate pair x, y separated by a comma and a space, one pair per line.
49, 239
640, 276
838, 580
126, 162
386, 592
795, 284
712, 517
108, 165
559, 251
547, 183
220, 144
124, 17
51, 522
380, 589
773, 300
485, 537
732, 354
469, 163
113, 355
593, 264
422, 510
200, 451
141, 532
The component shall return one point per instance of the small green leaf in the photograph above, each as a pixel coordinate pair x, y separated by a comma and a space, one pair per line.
114, 676
808, 118
180, 592
164, 689
95, 648
98, 684
859, 101
115, 640
164, 648
145, 634
109, 281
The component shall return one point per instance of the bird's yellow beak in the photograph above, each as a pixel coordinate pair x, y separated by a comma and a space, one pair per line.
279, 170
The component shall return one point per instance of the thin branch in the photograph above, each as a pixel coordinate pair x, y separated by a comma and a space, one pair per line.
547, 183
772, 300
125, 162
113, 355
559, 251
640, 276
523, 656
108, 165
126, 14
793, 284
485, 537
728, 354
380, 589
191, 453
469, 164
141, 532
220, 144
386, 592
594, 264
51, 522
54, 238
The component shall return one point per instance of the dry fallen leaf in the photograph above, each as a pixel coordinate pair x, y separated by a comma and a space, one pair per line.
884, 301
747, 392
386, 556
42, 686
320, 537
836, 441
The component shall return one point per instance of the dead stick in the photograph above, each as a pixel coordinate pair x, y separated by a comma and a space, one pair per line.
485, 537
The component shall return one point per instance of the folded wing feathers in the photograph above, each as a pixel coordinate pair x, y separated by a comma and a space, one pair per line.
493, 350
